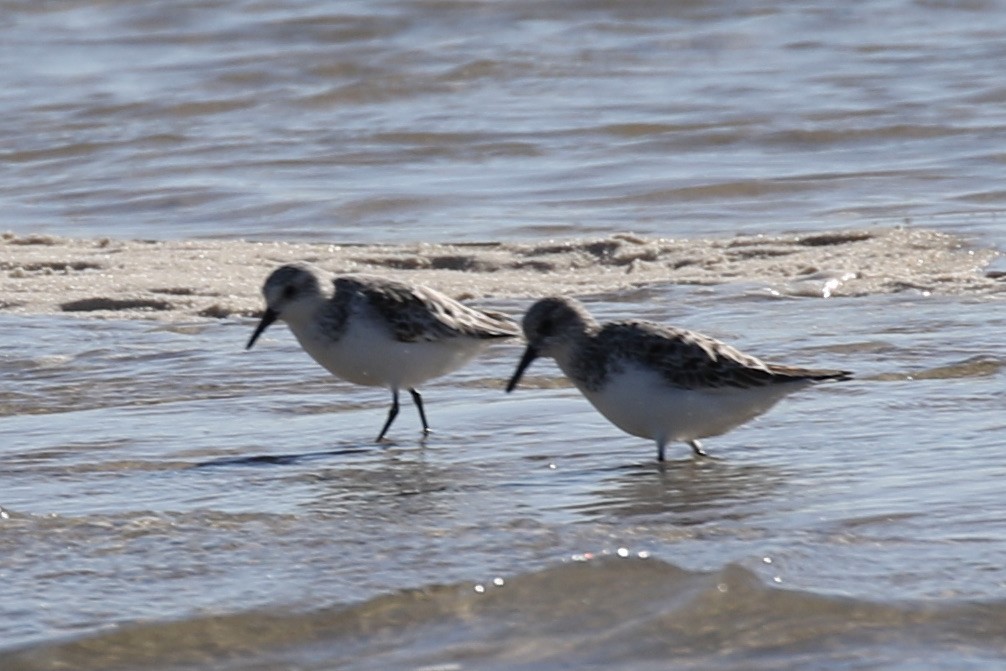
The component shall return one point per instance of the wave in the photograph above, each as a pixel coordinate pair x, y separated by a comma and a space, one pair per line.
212, 279
607, 612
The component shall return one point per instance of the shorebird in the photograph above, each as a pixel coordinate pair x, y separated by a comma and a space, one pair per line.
655, 381
374, 331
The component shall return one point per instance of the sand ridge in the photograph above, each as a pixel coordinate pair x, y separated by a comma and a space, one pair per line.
221, 278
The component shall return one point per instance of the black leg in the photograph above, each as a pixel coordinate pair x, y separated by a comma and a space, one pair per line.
422, 413
392, 413
697, 448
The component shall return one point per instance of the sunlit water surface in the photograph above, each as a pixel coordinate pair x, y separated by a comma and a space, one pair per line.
168, 500
158, 473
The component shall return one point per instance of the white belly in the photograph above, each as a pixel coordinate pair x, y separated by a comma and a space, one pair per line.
641, 403
368, 355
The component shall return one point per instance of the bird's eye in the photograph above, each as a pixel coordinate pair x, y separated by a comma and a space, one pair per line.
289, 291
546, 327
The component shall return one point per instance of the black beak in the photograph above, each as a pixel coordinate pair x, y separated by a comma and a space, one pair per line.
530, 354
268, 317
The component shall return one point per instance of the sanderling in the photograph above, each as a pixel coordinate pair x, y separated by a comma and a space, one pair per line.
378, 332
656, 381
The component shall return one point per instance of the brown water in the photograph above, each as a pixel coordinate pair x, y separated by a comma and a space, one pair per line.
817, 184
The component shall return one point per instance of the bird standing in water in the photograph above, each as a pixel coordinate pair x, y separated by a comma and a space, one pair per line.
374, 331
655, 381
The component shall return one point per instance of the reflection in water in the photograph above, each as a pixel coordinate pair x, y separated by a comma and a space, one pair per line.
982, 365
280, 459
387, 489
693, 491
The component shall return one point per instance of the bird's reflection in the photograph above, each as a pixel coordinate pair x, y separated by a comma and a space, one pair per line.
391, 485
691, 491
287, 459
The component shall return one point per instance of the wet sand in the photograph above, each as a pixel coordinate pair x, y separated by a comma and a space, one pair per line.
192, 279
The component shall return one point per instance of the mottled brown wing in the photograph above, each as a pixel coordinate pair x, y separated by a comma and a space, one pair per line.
690, 360
417, 313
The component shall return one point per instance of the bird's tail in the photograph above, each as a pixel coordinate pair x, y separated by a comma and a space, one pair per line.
811, 374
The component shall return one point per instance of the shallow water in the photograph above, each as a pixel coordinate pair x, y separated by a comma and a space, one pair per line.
449, 121
170, 501
199, 480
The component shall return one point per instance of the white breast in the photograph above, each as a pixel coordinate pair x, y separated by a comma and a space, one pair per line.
367, 354
640, 402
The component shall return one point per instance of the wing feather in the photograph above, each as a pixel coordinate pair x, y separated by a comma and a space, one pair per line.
687, 359
417, 313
